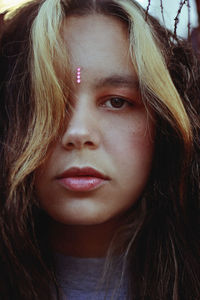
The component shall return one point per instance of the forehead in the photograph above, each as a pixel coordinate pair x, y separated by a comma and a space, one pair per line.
97, 43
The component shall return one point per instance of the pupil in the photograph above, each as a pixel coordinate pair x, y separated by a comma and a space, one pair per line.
117, 102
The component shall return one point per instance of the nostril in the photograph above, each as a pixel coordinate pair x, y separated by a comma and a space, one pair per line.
70, 145
88, 143
78, 144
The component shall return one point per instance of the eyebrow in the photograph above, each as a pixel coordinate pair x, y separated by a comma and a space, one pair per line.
118, 81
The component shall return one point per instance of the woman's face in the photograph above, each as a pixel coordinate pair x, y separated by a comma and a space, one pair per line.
100, 166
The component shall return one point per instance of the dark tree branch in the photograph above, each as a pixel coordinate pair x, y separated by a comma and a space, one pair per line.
189, 21
147, 10
198, 10
176, 19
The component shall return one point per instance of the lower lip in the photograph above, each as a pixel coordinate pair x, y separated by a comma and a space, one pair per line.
81, 184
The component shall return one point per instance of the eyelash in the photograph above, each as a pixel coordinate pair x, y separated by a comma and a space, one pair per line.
125, 102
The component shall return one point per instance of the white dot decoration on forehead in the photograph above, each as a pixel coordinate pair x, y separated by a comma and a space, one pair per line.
78, 75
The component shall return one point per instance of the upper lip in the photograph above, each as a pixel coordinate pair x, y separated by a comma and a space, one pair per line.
86, 171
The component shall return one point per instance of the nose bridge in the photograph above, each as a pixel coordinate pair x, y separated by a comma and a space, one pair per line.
82, 109
81, 116
82, 129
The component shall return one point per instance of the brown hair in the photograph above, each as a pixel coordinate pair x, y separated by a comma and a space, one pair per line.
161, 236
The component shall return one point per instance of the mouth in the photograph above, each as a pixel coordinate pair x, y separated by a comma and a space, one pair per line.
82, 179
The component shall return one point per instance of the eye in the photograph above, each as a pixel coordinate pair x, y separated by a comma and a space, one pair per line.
117, 102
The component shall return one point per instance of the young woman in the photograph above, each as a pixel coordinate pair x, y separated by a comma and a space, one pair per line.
99, 155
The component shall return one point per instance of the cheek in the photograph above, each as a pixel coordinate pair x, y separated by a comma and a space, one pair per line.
131, 140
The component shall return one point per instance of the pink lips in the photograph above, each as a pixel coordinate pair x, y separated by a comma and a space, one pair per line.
82, 179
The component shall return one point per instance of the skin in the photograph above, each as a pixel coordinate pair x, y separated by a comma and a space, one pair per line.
117, 141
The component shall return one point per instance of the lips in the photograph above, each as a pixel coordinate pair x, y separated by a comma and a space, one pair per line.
82, 179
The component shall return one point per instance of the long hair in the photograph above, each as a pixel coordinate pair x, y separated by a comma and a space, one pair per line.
161, 236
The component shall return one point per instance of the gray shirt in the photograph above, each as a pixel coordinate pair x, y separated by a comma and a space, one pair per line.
81, 279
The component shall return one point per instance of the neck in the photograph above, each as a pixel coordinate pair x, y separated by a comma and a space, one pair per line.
82, 240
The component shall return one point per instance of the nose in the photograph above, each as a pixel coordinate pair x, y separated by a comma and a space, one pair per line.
83, 129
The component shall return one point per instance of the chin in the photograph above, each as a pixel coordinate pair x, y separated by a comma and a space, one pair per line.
80, 217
